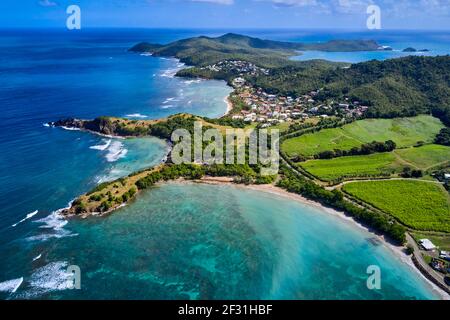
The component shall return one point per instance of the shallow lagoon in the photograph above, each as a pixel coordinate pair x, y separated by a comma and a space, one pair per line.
196, 241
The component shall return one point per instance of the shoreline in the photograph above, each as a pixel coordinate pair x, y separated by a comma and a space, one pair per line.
397, 251
229, 106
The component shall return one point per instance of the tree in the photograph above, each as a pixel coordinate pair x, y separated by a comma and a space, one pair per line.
443, 137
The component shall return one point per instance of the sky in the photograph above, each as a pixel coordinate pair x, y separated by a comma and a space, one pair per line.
228, 14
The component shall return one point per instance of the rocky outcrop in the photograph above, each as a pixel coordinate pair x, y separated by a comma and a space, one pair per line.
106, 126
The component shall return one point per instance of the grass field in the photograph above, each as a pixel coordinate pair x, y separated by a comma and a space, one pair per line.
379, 164
425, 157
404, 131
419, 205
353, 166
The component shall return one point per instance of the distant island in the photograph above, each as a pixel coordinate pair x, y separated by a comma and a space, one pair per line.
410, 49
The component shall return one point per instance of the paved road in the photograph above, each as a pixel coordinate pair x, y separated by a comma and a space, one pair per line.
433, 275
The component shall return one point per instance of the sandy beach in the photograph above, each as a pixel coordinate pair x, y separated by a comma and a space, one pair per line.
229, 106
398, 251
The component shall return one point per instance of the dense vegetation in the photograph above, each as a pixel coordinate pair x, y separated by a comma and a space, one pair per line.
443, 137
202, 51
296, 184
365, 149
392, 88
111, 195
419, 205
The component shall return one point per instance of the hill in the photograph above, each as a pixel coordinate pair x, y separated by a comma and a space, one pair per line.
202, 51
392, 88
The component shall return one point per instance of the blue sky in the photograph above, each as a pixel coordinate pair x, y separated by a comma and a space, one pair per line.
228, 14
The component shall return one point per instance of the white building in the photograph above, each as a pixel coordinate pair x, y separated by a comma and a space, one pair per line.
427, 244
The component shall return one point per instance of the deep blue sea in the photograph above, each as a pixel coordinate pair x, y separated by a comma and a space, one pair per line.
177, 241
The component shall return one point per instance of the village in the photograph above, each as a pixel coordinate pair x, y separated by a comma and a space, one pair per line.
237, 67
269, 109
437, 259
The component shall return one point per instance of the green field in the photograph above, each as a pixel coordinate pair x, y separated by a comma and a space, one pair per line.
425, 157
379, 164
404, 132
354, 166
419, 205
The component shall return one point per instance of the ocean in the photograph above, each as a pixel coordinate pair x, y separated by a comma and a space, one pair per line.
156, 248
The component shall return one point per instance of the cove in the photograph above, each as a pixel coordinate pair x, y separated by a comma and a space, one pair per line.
196, 241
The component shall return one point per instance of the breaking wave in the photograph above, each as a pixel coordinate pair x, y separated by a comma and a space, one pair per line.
51, 277
53, 225
136, 115
11, 286
116, 151
102, 146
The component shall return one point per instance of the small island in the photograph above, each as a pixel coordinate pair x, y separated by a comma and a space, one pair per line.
410, 49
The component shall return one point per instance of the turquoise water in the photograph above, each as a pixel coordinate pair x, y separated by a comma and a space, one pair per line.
191, 241
51, 74
438, 43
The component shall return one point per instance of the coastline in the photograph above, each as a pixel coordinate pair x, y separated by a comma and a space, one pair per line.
397, 251
229, 106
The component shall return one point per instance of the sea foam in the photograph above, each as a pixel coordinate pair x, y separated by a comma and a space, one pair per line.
51, 277
116, 151
11, 285
135, 115
102, 146
54, 223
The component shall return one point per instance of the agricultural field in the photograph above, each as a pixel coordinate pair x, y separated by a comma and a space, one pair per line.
373, 165
426, 157
419, 205
405, 132
379, 164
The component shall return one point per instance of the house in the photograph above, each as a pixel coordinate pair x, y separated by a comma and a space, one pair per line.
239, 81
427, 244
444, 255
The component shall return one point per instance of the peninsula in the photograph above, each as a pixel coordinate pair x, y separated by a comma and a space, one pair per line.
368, 139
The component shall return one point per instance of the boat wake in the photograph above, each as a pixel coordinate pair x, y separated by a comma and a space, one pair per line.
28, 216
